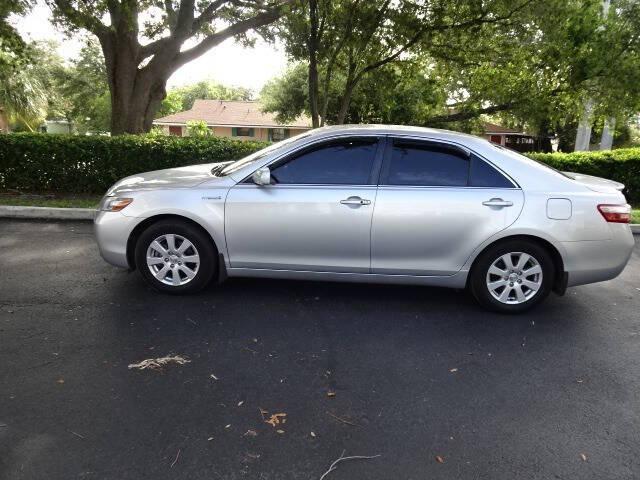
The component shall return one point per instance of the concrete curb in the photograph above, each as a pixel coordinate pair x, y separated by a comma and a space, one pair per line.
47, 213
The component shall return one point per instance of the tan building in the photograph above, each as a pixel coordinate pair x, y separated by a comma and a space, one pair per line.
229, 118
510, 138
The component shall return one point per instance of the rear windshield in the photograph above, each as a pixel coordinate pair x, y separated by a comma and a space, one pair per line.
514, 154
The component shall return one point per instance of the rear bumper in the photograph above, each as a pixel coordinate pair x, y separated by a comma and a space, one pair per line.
112, 232
598, 260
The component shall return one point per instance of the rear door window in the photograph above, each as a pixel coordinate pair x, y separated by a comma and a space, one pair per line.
425, 164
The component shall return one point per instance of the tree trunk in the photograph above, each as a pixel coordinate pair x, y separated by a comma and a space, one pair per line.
313, 63
350, 84
136, 94
325, 88
313, 91
344, 105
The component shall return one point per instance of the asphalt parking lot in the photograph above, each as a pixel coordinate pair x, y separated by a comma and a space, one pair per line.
420, 376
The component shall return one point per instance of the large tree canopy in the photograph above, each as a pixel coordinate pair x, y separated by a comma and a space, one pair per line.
145, 42
535, 62
355, 38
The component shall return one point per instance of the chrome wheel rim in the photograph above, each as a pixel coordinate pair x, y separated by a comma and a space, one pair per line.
514, 278
173, 260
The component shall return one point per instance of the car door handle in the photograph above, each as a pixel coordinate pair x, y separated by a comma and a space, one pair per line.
355, 201
497, 202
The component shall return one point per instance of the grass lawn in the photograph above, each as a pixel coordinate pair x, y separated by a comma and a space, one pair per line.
635, 214
64, 201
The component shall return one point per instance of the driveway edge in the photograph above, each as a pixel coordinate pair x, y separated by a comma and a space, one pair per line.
47, 213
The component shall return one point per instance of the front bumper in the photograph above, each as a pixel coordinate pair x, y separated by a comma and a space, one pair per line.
112, 230
598, 260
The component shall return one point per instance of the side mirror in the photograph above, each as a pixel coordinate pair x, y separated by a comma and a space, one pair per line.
262, 176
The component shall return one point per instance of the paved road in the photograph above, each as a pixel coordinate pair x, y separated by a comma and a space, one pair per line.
417, 373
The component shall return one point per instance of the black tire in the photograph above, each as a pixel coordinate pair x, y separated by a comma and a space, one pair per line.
204, 247
478, 276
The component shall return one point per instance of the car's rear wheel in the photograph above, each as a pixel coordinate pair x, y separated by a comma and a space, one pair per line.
512, 276
175, 257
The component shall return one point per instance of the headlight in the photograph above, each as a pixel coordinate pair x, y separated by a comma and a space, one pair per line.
115, 204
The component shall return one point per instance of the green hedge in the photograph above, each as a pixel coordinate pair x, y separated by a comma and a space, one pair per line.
35, 162
80, 164
622, 165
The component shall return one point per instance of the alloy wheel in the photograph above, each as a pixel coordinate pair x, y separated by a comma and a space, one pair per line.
173, 260
514, 278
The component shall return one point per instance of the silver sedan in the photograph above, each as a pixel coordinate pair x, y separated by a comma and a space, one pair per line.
372, 204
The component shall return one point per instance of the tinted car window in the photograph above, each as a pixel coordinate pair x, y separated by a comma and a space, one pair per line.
484, 175
345, 163
425, 165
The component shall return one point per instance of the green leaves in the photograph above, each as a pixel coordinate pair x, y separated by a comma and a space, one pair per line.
91, 164
621, 165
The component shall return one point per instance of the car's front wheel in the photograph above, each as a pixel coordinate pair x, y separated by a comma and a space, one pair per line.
175, 257
512, 276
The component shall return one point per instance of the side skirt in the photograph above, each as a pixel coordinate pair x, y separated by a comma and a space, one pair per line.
457, 280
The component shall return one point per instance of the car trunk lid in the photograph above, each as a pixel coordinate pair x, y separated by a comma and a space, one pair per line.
597, 184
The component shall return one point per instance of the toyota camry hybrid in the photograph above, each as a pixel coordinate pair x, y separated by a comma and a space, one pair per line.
372, 203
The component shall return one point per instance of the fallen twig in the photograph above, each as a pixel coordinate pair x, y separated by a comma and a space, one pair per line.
159, 363
76, 434
347, 422
342, 458
177, 456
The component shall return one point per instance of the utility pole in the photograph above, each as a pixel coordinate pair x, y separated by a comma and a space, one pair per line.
583, 135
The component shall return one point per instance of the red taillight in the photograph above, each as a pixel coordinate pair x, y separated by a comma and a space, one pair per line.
616, 213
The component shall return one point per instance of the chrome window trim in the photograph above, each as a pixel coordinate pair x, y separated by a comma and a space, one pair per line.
311, 185
448, 187
386, 136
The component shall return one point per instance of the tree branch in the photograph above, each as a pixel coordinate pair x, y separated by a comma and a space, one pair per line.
471, 113
342, 458
236, 29
78, 18
420, 32
207, 14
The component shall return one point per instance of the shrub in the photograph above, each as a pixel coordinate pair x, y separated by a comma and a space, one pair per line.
622, 165
198, 128
80, 164
91, 164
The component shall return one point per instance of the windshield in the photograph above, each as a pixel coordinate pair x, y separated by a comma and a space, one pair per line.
229, 168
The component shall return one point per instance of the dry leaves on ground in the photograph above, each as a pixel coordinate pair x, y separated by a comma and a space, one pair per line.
159, 363
277, 419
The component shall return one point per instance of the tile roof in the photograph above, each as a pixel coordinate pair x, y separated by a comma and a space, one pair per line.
493, 128
230, 113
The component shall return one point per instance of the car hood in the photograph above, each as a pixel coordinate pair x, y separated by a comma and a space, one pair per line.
181, 177
597, 184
